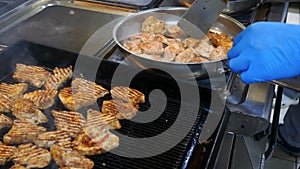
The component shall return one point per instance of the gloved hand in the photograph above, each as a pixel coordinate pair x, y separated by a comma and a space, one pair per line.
266, 51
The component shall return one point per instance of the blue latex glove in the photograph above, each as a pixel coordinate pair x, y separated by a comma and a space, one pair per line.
266, 51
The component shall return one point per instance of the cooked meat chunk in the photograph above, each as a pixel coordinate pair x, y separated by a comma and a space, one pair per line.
220, 39
133, 46
18, 166
171, 52
43, 99
191, 42
175, 32
94, 140
204, 48
13, 91
219, 52
122, 110
152, 47
32, 156
127, 94
86, 86
25, 110
152, 24
22, 132
68, 158
5, 121
168, 41
5, 103
144, 37
33, 74
96, 118
75, 101
48, 139
6, 153
71, 122
186, 56
60, 76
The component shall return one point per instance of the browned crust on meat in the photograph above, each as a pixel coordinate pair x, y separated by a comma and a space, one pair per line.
32, 156
33, 74
96, 118
127, 94
122, 110
86, 86
60, 76
43, 99
6, 153
48, 139
13, 91
5, 103
18, 166
5, 121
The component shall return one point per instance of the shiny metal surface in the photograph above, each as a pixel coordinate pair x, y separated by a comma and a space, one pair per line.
131, 25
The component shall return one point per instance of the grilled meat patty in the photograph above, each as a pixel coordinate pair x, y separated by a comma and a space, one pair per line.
33, 74
68, 158
96, 118
13, 91
32, 156
5, 121
122, 110
86, 86
5, 103
60, 76
94, 140
43, 99
22, 132
127, 94
25, 110
71, 122
6, 153
48, 139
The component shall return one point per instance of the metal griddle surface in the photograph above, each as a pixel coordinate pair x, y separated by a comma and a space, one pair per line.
32, 54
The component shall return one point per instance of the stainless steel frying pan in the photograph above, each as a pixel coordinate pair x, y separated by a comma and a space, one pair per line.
131, 25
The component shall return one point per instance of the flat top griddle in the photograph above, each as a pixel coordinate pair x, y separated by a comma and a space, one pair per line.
47, 57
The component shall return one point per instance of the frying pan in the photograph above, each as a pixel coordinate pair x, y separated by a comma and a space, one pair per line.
131, 25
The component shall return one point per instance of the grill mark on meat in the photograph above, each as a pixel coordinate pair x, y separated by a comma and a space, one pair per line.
13, 91
96, 118
5, 103
32, 156
22, 132
6, 153
127, 94
60, 76
48, 139
33, 74
122, 110
5, 121
43, 99
86, 86
71, 122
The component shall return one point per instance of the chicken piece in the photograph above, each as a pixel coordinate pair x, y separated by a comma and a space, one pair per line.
152, 47
22, 132
5, 103
186, 56
171, 52
175, 32
191, 42
96, 118
168, 41
152, 24
43, 99
72, 122
204, 49
86, 86
127, 94
18, 166
219, 52
144, 37
122, 110
48, 139
133, 46
220, 39
13, 91
66, 157
25, 110
6, 153
33, 74
32, 156
75, 101
5, 121
60, 76
94, 140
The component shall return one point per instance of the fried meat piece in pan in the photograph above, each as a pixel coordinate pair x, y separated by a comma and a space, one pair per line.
219, 52
43, 99
5, 103
72, 122
175, 32
32, 156
94, 140
122, 110
25, 110
6, 153
186, 56
13, 91
127, 94
152, 24
133, 46
22, 132
96, 118
60, 76
33, 74
66, 157
86, 86
5, 121
152, 47
48, 139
